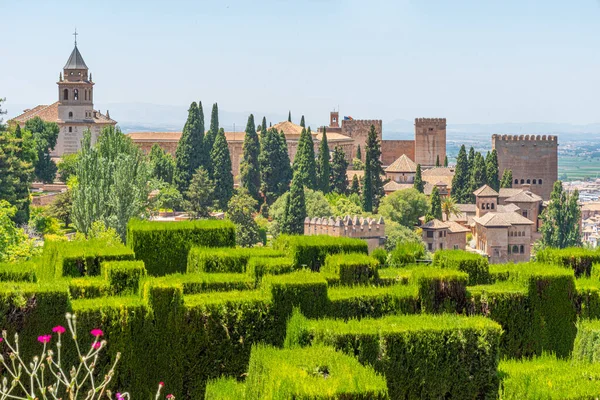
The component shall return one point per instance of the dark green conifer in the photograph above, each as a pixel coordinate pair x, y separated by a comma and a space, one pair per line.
471, 158
272, 163
189, 148
492, 173
460, 181
358, 153
478, 176
285, 165
289, 116
339, 166
324, 166
375, 170
507, 178
296, 210
250, 166
222, 176
367, 192
436, 203
418, 183
305, 164
302, 123
437, 161
446, 161
355, 187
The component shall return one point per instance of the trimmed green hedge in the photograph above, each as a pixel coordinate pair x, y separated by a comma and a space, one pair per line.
123, 276
381, 256
367, 301
23, 271
441, 290
578, 259
588, 297
201, 259
473, 264
225, 389
310, 373
310, 251
351, 268
164, 246
393, 276
89, 287
421, 356
259, 266
203, 282
587, 341
304, 289
548, 378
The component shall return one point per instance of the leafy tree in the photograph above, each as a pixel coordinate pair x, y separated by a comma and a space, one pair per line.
305, 166
250, 166
507, 179
45, 135
42, 223
398, 234
239, 211
168, 198
449, 207
100, 231
61, 208
561, 227
460, 181
200, 195
491, 165
302, 123
14, 242
446, 161
342, 205
478, 176
2, 112
357, 164
373, 186
358, 153
316, 205
289, 116
66, 166
323, 165
437, 161
111, 183
222, 176
436, 203
295, 212
190, 148
418, 184
355, 186
404, 207
339, 166
162, 164
211, 135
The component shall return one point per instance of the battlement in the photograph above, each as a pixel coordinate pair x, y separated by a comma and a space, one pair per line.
363, 122
525, 138
348, 226
429, 121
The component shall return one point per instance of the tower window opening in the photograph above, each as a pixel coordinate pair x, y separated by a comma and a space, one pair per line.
70, 114
66, 94
70, 129
75, 94
540, 181
528, 180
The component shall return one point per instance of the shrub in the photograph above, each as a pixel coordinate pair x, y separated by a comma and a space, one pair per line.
351, 268
548, 378
202, 259
123, 276
587, 341
23, 271
304, 289
441, 290
367, 301
203, 282
455, 356
588, 297
381, 256
89, 287
259, 266
406, 253
225, 389
310, 251
164, 246
577, 258
310, 373
392, 276
473, 264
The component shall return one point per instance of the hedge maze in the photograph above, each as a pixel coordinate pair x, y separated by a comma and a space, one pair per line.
315, 317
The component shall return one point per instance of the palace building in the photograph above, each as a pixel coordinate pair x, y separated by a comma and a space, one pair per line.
74, 111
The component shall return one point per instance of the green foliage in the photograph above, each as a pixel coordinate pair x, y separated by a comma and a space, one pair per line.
45, 135
357, 164
61, 208
355, 186
455, 356
478, 176
274, 165
250, 165
436, 203
407, 252
162, 164
89, 287
404, 207
507, 179
167, 198
339, 166
164, 246
460, 181
323, 165
446, 161
587, 341
19, 271
222, 176
67, 166
305, 166
437, 161
302, 123
441, 290
226, 259
41, 222
381, 256
209, 139
310, 373
304, 289
371, 301
111, 182
311, 251
579, 259
491, 165
123, 276
188, 156
342, 205
199, 198
257, 267
225, 389
588, 297
295, 208
398, 234
561, 219
473, 264
14, 242
358, 153
351, 268
418, 184
548, 378
239, 211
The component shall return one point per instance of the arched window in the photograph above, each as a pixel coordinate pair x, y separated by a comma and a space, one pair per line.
522, 181
516, 181
492, 206
540, 181
522, 249
75, 94
515, 249
66, 94
70, 114
534, 181
528, 181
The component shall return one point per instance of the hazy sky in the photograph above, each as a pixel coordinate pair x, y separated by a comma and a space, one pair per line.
471, 61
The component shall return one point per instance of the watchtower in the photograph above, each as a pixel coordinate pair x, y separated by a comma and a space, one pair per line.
430, 141
334, 119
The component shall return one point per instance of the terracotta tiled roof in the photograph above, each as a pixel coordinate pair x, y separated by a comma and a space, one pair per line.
50, 114
435, 224
502, 219
591, 206
455, 227
333, 137
155, 136
485, 191
524, 196
289, 128
508, 192
393, 186
508, 208
467, 208
402, 164
439, 174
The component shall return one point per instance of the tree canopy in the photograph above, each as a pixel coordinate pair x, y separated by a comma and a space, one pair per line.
162, 164
323, 165
305, 166
373, 186
561, 227
339, 166
239, 211
45, 135
222, 176
189, 151
460, 181
404, 207
199, 199
250, 165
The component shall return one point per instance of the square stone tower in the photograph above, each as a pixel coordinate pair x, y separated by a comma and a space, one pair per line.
430, 141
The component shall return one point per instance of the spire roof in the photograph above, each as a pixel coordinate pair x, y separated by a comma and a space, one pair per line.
75, 61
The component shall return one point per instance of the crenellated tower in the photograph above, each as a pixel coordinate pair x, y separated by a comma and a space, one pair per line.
430, 141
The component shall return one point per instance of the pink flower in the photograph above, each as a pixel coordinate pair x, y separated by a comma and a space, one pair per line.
120, 396
1, 339
44, 338
161, 384
170, 396
97, 332
96, 345
59, 329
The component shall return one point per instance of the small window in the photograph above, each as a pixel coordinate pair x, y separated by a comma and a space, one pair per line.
516, 181
430, 129
429, 234
75, 94
492, 206
455, 247
522, 181
441, 246
441, 234
534, 181
525, 213
515, 249
540, 181
70, 129
522, 249
528, 181
66, 94
70, 114
430, 246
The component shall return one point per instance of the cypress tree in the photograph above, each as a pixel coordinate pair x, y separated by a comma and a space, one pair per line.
339, 166
460, 181
211, 135
561, 227
250, 167
289, 116
355, 187
491, 164
162, 164
296, 209
367, 192
358, 152
302, 123
478, 176
263, 128
418, 183
436, 203
188, 149
284, 164
304, 163
202, 154
437, 161
222, 176
271, 163
374, 168
285, 226
507, 178
324, 167
471, 158
446, 161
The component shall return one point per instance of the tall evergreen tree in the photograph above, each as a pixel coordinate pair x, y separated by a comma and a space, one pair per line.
561, 227
436, 203
162, 164
375, 169
189, 148
478, 176
446, 161
200, 195
45, 135
272, 163
367, 187
471, 158
418, 184
250, 166
302, 123
339, 166
355, 186
507, 178
209, 138
296, 210
437, 161
305, 164
460, 181
289, 116
491, 164
263, 125
222, 176
323, 165
285, 165
358, 152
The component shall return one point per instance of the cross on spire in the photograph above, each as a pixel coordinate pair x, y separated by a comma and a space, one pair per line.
75, 34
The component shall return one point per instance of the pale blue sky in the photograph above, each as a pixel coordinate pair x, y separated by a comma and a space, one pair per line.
471, 61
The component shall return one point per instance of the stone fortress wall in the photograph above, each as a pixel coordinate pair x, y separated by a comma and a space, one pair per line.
430, 141
533, 160
391, 150
358, 130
